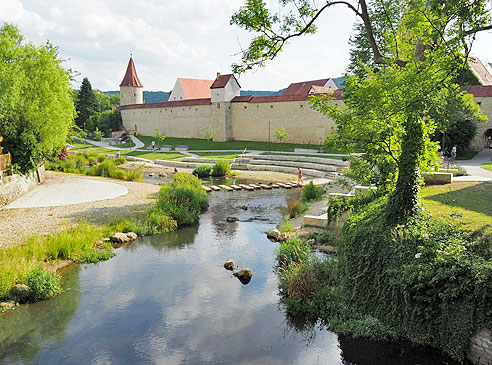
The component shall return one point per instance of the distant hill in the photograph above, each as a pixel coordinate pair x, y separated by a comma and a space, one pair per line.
149, 96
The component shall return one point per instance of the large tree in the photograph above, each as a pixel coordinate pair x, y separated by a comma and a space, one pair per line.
36, 107
418, 48
87, 106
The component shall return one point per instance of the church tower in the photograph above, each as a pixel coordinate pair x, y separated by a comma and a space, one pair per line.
131, 89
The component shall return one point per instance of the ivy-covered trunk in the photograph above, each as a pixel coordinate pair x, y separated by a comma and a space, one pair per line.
404, 201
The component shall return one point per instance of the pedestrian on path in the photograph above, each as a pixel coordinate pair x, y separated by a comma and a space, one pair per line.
453, 153
299, 176
153, 146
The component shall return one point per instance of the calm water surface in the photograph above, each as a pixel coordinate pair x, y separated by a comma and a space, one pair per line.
168, 300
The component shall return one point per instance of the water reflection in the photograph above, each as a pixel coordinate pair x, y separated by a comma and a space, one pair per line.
167, 299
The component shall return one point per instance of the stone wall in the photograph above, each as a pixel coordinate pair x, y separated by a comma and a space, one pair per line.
302, 124
480, 352
479, 141
12, 187
176, 121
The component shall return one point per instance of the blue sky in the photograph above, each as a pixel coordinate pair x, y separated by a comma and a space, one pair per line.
179, 38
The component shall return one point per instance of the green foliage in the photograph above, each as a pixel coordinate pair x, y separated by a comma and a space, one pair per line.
203, 170
436, 287
209, 133
221, 168
42, 284
281, 133
311, 192
285, 226
36, 105
339, 205
86, 106
183, 199
91, 257
98, 134
109, 120
292, 251
296, 208
159, 137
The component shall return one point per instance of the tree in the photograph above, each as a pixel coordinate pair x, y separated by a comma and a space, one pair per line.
86, 106
159, 137
36, 101
418, 48
280, 133
209, 133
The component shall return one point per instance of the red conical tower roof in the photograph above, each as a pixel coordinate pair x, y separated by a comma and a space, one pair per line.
131, 78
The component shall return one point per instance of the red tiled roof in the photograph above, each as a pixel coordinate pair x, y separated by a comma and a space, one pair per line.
304, 87
480, 91
336, 94
131, 78
196, 89
242, 98
165, 104
222, 81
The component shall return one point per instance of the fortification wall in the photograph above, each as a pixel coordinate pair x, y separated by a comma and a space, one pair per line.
479, 141
182, 121
302, 124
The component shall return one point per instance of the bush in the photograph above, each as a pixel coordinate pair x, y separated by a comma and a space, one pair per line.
285, 225
221, 168
203, 170
42, 284
296, 208
311, 192
91, 257
160, 222
294, 250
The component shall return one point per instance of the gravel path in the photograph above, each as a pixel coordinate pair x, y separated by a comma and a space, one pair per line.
16, 225
473, 167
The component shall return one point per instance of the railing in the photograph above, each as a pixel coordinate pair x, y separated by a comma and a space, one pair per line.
240, 156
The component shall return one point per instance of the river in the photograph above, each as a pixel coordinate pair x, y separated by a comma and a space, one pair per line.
168, 300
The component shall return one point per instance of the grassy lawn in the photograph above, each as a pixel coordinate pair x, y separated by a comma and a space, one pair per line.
203, 144
86, 147
225, 155
305, 155
467, 203
486, 166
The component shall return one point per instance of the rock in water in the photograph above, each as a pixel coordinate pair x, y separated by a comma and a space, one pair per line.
275, 235
229, 265
244, 275
20, 293
244, 207
120, 237
231, 219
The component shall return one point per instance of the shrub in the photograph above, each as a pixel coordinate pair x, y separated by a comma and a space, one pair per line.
311, 192
294, 250
160, 222
203, 170
296, 208
91, 257
221, 168
42, 284
285, 225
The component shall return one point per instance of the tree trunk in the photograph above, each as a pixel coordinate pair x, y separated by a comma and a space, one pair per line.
404, 201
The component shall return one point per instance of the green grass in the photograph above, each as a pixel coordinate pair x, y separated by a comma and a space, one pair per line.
465, 203
86, 147
225, 155
17, 262
486, 166
129, 144
306, 155
203, 144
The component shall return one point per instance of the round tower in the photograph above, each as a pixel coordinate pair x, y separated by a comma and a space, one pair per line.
131, 89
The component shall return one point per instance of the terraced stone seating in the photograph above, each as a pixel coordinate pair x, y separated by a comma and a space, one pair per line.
166, 148
181, 148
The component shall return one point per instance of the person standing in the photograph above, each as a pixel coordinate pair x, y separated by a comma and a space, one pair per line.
299, 176
153, 146
453, 153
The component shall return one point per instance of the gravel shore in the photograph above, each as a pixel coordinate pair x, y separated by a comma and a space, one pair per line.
16, 225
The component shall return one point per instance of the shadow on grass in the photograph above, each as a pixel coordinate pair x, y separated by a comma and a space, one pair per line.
476, 197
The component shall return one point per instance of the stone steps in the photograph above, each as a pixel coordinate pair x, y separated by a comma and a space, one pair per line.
302, 165
308, 159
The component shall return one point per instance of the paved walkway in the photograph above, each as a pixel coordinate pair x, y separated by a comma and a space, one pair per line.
476, 173
138, 144
67, 190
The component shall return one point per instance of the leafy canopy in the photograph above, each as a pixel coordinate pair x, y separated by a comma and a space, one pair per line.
36, 103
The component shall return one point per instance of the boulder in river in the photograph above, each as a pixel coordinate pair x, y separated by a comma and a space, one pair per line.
20, 293
244, 275
275, 235
232, 219
229, 265
243, 207
120, 237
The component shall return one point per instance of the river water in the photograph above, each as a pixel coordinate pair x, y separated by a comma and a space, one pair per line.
168, 300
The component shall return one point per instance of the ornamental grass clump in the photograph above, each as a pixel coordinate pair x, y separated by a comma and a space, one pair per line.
203, 170
42, 284
221, 168
296, 208
311, 192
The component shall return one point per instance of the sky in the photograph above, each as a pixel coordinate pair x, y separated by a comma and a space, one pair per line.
179, 38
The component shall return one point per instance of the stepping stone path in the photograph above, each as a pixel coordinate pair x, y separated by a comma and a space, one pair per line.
250, 187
